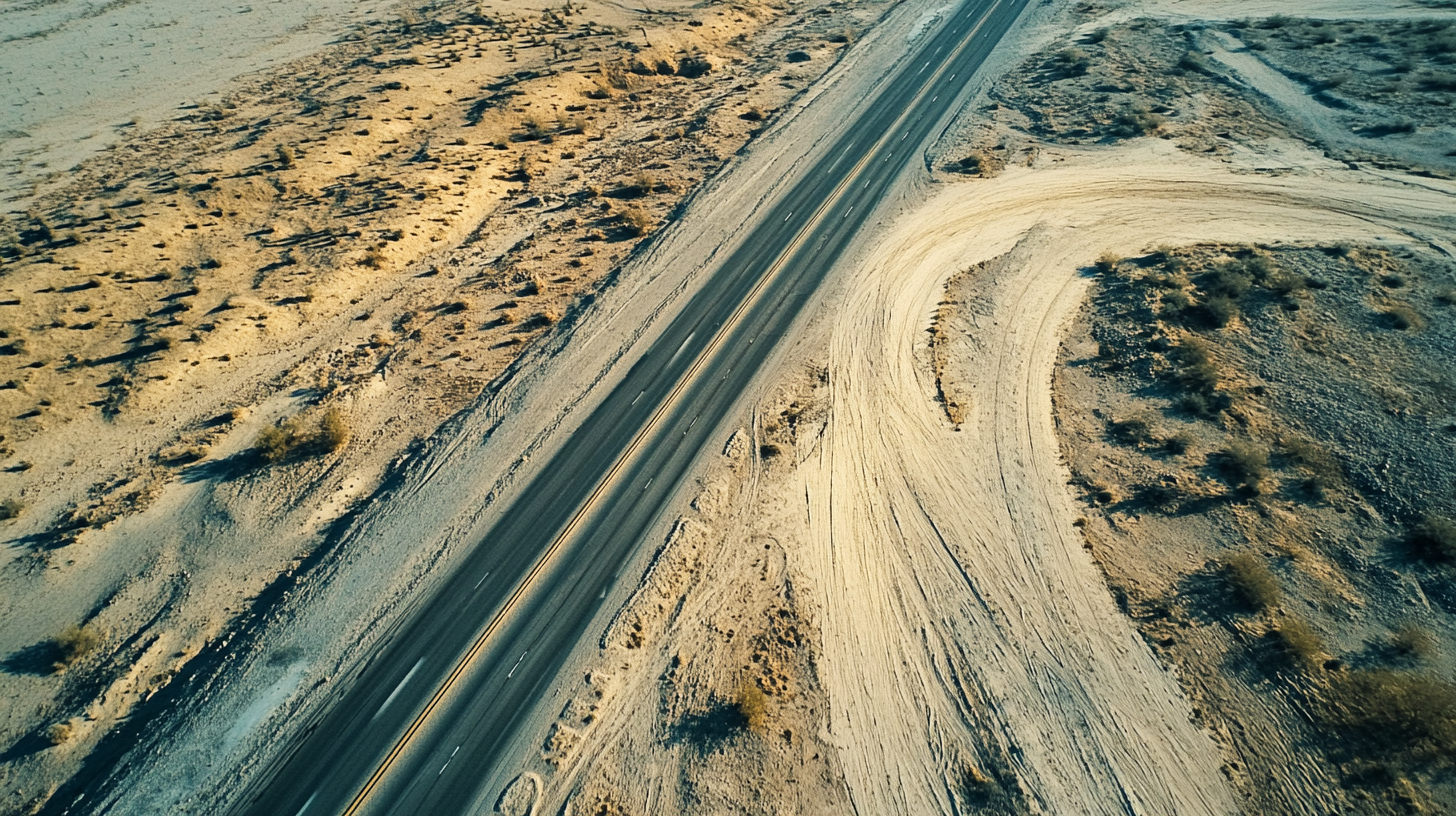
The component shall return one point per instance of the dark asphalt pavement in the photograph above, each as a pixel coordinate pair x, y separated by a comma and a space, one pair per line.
419, 727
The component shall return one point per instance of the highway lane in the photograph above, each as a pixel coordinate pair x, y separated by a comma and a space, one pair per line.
376, 737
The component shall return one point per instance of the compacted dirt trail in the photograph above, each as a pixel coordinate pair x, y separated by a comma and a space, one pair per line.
972, 652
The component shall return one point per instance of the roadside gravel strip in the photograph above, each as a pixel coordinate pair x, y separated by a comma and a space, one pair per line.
957, 594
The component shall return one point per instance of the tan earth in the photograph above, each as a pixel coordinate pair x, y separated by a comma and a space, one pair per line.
890, 593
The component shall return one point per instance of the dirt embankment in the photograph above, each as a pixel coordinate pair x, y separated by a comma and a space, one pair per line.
242, 319
708, 677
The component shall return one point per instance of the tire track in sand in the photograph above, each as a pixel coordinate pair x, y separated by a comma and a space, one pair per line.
962, 617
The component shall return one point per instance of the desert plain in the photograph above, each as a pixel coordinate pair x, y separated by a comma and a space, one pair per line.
1114, 471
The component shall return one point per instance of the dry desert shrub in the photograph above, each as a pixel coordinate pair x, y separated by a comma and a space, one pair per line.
333, 430
72, 645
1200, 376
11, 508
1413, 641
1389, 713
278, 442
1246, 464
752, 706
1403, 317
636, 222
1324, 470
1300, 641
59, 734
1434, 539
1252, 580
1137, 119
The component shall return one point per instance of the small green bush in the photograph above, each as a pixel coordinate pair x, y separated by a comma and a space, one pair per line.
1252, 580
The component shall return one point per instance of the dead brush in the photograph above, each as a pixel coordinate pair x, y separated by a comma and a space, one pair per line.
1245, 465
1322, 470
752, 706
1393, 714
1254, 582
1300, 641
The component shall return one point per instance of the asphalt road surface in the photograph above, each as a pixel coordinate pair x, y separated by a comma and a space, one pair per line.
421, 727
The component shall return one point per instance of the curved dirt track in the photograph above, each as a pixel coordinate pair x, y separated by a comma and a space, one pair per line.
961, 618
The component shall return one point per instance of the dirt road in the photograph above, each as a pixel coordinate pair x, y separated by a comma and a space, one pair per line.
963, 622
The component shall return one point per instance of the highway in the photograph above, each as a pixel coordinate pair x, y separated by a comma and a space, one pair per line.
428, 718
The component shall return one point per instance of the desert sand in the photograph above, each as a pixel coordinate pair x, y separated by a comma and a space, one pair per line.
889, 593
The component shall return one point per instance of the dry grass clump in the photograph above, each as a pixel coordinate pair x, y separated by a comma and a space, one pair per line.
1403, 317
1137, 119
1323, 469
1434, 539
279, 442
1246, 464
72, 645
334, 431
1413, 641
1134, 429
1200, 376
752, 706
60, 733
11, 508
1300, 641
1252, 580
1072, 61
981, 162
1393, 713
636, 222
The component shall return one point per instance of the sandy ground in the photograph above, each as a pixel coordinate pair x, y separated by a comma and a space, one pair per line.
967, 655
262, 260
77, 76
888, 548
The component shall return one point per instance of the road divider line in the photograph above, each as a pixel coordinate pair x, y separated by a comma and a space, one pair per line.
717, 340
